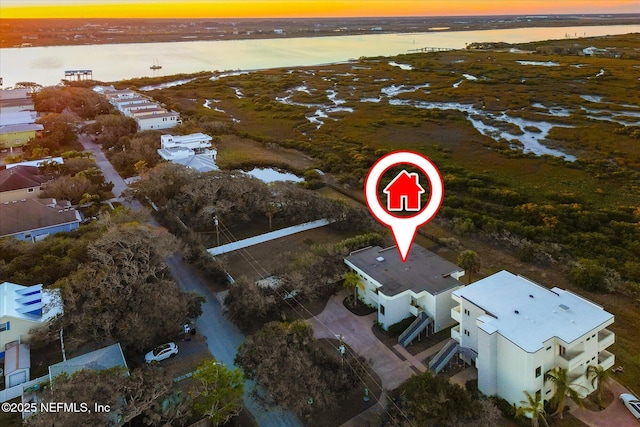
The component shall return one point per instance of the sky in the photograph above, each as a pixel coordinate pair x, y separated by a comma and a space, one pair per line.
302, 8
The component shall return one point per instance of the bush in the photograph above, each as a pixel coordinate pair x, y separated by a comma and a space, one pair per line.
397, 328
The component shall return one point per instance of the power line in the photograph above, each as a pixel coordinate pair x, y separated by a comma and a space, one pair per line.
285, 297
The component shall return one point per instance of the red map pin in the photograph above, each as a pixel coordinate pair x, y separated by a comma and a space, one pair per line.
403, 194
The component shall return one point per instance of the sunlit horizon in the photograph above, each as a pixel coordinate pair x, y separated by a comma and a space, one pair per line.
303, 8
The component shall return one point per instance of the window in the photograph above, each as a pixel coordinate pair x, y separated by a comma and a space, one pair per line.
467, 312
4, 326
30, 190
467, 333
538, 371
382, 310
548, 348
561, 350
538, 394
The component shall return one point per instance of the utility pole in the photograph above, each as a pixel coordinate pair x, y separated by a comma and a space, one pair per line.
216, 223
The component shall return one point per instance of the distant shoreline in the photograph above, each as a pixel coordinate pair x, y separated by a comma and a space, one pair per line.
81, 32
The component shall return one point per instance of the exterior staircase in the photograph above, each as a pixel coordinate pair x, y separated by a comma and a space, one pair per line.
417, 326
445, 354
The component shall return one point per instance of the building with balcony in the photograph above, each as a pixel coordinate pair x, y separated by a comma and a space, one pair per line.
193, 151
421, 287
517, 331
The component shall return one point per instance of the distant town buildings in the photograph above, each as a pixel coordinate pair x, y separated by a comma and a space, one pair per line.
145, 111
515, 332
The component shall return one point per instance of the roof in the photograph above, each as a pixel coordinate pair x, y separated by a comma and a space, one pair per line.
528, 314
17, 118
29, 302
156, 116
32, 214
37, 162
200, 162
142, 111
15, 358
98, 360
22, 127
19, 102
423, 270
21, 177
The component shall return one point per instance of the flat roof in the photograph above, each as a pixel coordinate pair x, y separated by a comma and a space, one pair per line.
423, 271
155, 116
528, 314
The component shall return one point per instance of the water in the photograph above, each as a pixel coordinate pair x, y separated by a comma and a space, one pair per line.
46, 65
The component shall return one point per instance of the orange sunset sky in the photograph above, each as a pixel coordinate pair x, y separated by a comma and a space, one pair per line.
302, 8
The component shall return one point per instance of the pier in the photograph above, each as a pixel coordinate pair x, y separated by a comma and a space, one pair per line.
78, 74
432, 49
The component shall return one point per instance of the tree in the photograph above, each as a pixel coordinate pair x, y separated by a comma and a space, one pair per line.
470, 262
285, 360
599, 377
71, 188
219, 392
564, 389
588, 274
534, 407
127, 395
352, 281
431, 400
125, 292
247, 304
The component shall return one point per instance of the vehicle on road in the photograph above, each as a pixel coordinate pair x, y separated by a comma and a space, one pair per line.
632, 403
161, 352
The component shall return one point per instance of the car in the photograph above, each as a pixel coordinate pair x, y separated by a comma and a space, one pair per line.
161, 352
632, 403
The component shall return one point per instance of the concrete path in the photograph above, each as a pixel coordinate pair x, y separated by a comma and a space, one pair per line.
261, 238
614, 415
356, 332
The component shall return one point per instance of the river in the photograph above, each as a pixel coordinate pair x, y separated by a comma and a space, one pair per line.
46, 65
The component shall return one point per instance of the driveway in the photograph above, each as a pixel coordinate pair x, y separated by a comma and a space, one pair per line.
614, 415
335, 319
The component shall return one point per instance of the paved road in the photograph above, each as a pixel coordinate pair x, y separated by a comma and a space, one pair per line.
108, 171
222, 336
223, 339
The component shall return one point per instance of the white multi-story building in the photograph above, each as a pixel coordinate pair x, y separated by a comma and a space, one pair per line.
192, 150
158, 121
421, 287
518, 331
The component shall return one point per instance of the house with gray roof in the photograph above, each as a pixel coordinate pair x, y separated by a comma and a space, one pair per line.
420, 287
35, 219
21, 182
98, 360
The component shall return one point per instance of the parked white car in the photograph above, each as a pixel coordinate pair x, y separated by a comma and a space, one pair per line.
161, 352
632, 403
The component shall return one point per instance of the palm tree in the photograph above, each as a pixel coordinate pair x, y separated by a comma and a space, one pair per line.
534, 406
559, 377
351, 282
599, 377
470, 262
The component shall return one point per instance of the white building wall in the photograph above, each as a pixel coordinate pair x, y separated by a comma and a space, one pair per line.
148, 123
487, 362
396, 308
442, 305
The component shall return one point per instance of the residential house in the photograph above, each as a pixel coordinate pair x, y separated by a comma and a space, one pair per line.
98, 360
23, 308
38, 162
13, 136
193, 151
134, 114
18, 118
17, 365
15, 100
159, 121
35, 219
21, 182
421, 287
518, 331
